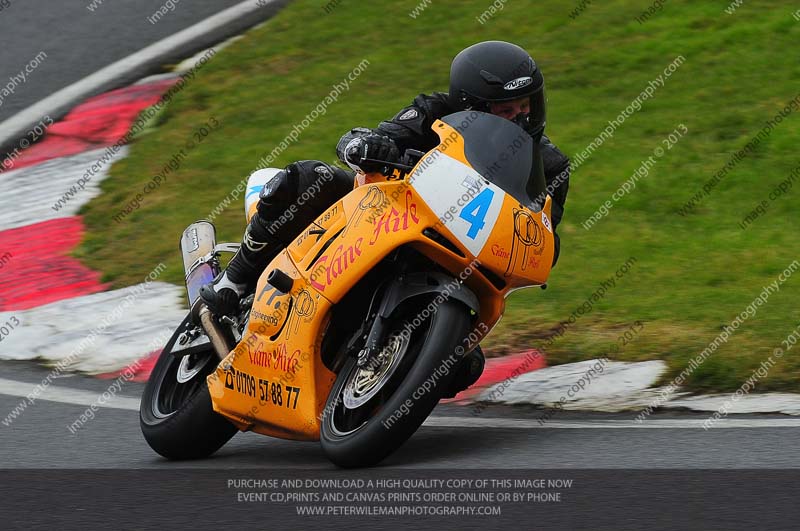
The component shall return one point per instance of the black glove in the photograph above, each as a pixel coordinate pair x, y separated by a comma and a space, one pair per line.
374, 147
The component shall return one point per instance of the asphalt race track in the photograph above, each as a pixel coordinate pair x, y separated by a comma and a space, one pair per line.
670, 471
454, 438
78, 42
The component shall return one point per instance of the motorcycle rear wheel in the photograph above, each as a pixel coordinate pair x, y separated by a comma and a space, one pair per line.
176, 418
368, 431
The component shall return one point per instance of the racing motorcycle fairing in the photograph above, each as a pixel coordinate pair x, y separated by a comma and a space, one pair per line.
464, 207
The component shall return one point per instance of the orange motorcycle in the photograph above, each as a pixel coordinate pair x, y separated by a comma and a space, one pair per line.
369, 317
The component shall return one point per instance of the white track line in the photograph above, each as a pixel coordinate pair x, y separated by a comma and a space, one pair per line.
60, 101
85, 398
688, 423
65, 395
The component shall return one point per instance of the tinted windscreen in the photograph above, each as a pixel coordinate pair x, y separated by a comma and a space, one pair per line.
502, 152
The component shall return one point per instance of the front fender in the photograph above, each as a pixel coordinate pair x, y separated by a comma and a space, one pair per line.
413, 285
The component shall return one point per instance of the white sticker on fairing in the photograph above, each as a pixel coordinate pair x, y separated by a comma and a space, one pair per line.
469, 212
546, 222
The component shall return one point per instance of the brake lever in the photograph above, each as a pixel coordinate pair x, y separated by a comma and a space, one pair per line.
399, 166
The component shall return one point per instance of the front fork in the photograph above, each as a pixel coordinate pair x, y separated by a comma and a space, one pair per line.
399, 290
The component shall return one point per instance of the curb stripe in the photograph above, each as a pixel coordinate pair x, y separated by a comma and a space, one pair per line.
97, 333
50, 190
141, 369
499, 370
97, 123
39, 270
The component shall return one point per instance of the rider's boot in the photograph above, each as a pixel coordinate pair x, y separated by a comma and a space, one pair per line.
258, 248
467, 372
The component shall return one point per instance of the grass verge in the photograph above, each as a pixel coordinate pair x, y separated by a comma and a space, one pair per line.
693, 274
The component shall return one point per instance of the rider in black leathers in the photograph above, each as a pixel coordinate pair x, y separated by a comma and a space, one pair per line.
490, 76
493, 76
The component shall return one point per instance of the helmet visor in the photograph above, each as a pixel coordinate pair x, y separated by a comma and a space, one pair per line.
537, 115
531, 119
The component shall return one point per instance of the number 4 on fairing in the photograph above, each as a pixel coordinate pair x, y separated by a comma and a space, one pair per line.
475, 212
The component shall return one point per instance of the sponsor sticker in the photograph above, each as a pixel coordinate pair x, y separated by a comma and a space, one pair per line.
518, 83
546, 222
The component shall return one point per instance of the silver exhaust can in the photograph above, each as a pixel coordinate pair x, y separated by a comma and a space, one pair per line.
199, 262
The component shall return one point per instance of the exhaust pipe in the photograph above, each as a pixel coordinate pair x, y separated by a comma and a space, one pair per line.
216, 334
199, 261
201, 264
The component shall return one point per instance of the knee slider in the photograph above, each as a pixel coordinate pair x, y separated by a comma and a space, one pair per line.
276, 192
318, 184
307, 187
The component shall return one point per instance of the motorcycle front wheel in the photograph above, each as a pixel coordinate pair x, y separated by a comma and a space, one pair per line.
372, 410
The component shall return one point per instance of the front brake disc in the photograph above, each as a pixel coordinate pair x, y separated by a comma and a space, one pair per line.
365, 382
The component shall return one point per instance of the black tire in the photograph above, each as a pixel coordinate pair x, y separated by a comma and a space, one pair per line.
181, 425
430, 347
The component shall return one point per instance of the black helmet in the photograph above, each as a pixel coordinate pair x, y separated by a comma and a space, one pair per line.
497, 71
